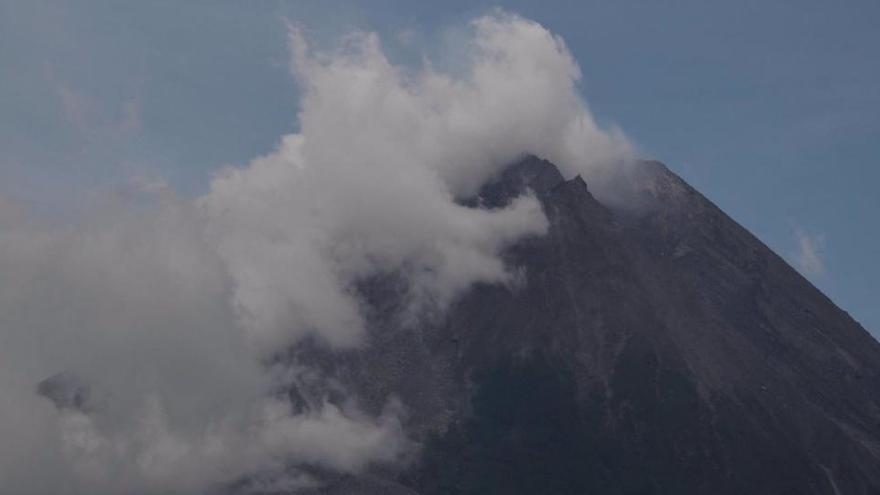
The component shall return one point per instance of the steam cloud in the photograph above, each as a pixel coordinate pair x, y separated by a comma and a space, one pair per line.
808, 259
166, 313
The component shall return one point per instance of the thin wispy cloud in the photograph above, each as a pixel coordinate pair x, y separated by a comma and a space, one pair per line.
809, 254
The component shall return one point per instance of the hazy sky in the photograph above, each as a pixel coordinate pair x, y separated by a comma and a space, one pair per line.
771, 109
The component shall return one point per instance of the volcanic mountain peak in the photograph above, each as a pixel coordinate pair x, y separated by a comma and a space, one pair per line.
653, 349
658, 349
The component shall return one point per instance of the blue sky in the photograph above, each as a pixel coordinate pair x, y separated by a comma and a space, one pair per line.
771, 109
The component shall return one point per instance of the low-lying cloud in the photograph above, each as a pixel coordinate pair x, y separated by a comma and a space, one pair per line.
169, 310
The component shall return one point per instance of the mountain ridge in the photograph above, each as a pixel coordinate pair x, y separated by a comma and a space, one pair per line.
656, 349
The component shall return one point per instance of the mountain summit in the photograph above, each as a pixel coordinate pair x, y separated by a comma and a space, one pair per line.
661, 349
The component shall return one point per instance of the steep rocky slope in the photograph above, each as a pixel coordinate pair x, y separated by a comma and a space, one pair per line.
659, 349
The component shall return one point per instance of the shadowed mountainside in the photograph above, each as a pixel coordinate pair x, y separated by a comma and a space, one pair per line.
657, 350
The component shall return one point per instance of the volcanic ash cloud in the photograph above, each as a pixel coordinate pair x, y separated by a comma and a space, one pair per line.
163, 317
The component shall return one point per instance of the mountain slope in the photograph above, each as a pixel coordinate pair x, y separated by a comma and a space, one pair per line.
654, 350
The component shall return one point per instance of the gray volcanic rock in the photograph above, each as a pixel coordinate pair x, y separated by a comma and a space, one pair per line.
66, 391
656, 350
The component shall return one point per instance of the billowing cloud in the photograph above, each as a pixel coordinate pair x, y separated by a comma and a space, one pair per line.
370, 183
163, 313
134, 305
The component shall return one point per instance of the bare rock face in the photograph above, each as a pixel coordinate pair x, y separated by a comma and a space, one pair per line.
660, 349
66, 391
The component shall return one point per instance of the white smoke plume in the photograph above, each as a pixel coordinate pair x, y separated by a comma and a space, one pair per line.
809, 255
166, 312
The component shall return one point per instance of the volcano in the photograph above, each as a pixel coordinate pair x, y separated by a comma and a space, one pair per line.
658, 348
